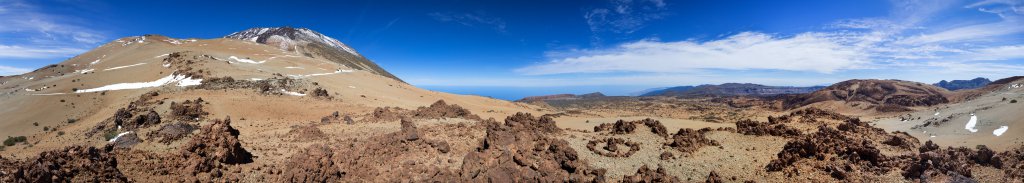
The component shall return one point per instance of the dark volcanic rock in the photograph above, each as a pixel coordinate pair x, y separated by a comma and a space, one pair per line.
689, 140
612, 147
624, 127
313, 164
127, 140
645, 174
749, 127
188, 110
71, 164
521, 150
172, 132
215, 143
440, 109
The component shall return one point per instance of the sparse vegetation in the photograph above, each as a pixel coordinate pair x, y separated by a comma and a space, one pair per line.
14, 140
72, 120
46, 128
109, 134
59, 133
35, 123
1013, 101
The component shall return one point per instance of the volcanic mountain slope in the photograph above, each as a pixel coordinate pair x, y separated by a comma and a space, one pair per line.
731, 89
871, 95
237, 77
310, 43
990, 116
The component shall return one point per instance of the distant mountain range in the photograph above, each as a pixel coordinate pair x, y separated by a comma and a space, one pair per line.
561, 97
730, 89
963, 84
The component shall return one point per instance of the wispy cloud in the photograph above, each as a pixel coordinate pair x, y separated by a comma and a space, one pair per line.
30, 33
471, 19
624, 16
748, 50
7, 70
14, 51
907, 39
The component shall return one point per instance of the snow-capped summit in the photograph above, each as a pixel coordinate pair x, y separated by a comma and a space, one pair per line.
312, 44
288, 37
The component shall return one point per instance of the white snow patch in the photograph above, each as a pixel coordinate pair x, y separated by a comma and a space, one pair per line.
119, 136
94, 62
83, 71
319, 74
245, 60
350, 86
164, 55
290, 67
173, 41
189, 82
31, 90
936, 114
168, 64
972, 123
122, 67
1000, 131
180, 79
255, 79
292, 93
933, 136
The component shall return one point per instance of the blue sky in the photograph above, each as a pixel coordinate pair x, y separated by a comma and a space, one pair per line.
510, 49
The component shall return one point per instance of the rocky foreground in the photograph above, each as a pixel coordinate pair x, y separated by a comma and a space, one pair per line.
822, 146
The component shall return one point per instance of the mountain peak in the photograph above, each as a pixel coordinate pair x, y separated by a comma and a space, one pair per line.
311, 44
286, 37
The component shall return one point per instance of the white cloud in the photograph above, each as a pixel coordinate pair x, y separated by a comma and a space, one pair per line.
997, 53
910, 39
14, 51
624, 16
749, 50
30, 33
7, 70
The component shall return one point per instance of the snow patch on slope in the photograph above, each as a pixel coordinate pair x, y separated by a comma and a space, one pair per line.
1000, 131
182, 81
286, 92
971, 123
122, 67
245, 60
118, 136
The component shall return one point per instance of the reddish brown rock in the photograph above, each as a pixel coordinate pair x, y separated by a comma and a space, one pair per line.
71, 164
689, 140
172, 132
645, 174
750, 127
612, 147
313, 164
521, 150
215, 143
440, 109
188, 110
